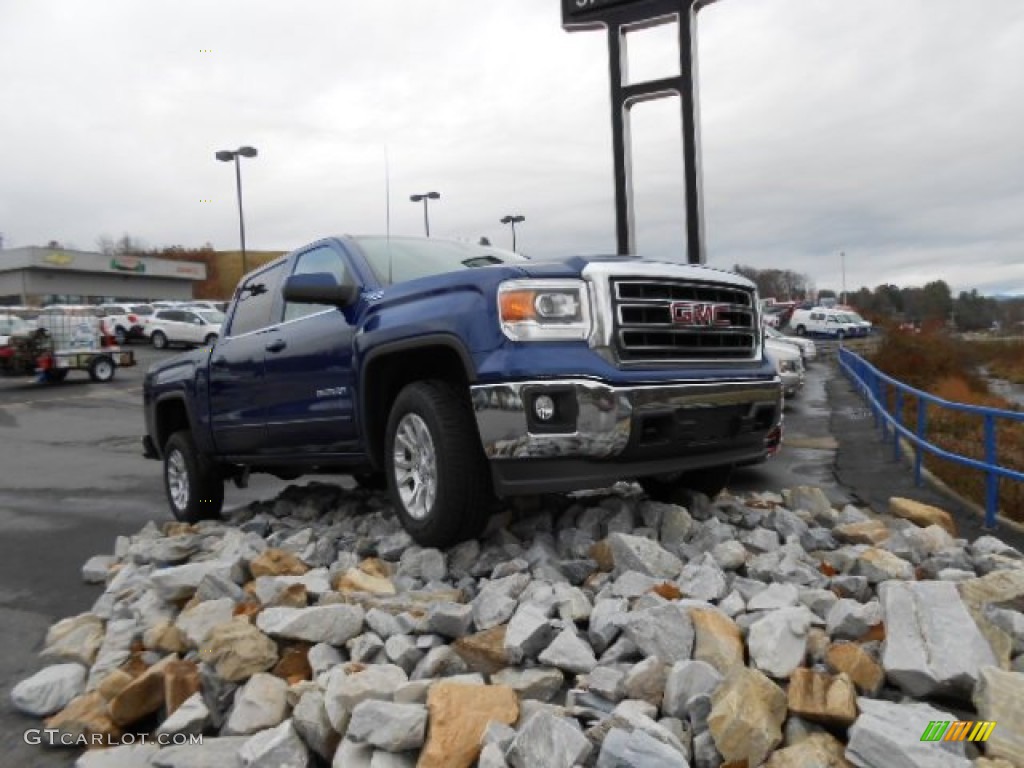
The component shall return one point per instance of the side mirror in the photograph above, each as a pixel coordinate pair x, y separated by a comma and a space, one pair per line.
319, 288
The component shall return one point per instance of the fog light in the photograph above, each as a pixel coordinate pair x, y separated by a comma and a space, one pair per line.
544, 407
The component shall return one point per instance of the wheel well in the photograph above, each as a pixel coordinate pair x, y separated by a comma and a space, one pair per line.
171, 417
387, 374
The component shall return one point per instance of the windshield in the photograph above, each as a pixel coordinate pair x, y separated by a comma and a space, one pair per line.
773, 334
413, 257
212, 316
142, 309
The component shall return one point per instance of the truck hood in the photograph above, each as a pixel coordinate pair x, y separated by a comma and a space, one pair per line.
574, 266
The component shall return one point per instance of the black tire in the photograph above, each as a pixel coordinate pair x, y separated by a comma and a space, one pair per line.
840, 335
679, 488
55, 375
801, 330
372, 481
210, 340
194, 486
159, 339
462, 486
102, 368
120, 336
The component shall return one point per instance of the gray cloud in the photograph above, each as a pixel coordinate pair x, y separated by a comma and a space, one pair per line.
888, 129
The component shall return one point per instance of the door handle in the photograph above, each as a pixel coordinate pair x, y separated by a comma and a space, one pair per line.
219, 362
276, 345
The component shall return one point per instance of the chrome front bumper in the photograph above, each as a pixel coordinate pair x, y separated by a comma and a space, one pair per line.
599, 422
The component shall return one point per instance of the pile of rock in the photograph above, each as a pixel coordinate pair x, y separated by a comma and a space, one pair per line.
605, 630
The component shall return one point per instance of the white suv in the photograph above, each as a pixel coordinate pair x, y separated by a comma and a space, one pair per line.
125, 321
823, 321
184, 326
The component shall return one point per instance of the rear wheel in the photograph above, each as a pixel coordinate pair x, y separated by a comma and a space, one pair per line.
159, 339
801, 330
437, 474
101, 369
679, 488
210, 340
195, 489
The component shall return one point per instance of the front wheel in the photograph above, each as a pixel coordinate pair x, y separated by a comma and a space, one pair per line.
159, 339
210, 340
195, 489
437, 474
101, 369
679, 488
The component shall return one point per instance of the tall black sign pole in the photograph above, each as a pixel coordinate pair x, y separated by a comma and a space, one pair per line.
618, 17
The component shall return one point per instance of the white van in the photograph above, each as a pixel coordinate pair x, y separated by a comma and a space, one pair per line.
824, 322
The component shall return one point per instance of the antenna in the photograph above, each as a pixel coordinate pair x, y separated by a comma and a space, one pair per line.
387, 208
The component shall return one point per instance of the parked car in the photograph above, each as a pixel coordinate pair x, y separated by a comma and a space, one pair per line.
10, 325
126, 321
452, 373
823, 322
807, 348
788, 364
184, 326
218, 306
863, 325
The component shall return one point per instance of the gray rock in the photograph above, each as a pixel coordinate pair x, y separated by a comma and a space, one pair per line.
212, 753
850, 620
259, 704
424, 564
441, 661
687, 679
818, 540
450, 619
365, 648
676, 524
352, 755
278, 747
198, 621
809, 498
570, 652
932, 644
181, 581
492, 756
115, 650
332, 624
634, 584
732, 605
382, 623
388, 726
322, 657
775, 596
345, 692
730, 555
819, 601
778, 642
215, 586
889, 734
646, 681
123, 756
402, 650
382, 759
703, 580
634, 553
97, 568
529, 632
49, 690
549, 741
705, 754
490, 610
622, 749
664, 632
855, 587
760, 540
534, 683
314, 726
191, 717
608, 683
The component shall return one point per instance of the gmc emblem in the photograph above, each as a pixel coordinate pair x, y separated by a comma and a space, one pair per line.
700, 314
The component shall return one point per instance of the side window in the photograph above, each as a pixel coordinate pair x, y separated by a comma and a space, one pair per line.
321, 259
255, 300
191, 317
173, 316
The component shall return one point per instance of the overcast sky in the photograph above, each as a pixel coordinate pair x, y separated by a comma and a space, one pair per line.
891, 130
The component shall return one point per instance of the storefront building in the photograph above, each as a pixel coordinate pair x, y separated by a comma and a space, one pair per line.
35, 276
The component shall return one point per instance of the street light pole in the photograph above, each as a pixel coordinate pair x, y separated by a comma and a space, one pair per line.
513, 219
227, 155
426, 215
842, 261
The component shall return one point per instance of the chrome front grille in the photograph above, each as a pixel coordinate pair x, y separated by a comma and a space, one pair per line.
672, 320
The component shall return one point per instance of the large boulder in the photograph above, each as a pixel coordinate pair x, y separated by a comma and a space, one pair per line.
747, 712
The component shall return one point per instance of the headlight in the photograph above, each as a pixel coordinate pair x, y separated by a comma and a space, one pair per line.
544, 310
788, 366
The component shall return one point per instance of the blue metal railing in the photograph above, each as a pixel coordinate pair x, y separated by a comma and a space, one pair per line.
876, 386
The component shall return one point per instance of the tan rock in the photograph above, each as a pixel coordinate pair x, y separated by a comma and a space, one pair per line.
115, 682
238, 650
852, 660
825, 698
166, 637
181, 680
601, 553
717, 639
459, 714
1004, 588
868, 532
276, 562
417, 603
294, 665
356, 580
747, 712
87, 716
175, 528
922, 515
142, 696
485, 651
374, 566
993, 762
75, 639
817, 644
248, 609
292, 596
999, 696
818, 750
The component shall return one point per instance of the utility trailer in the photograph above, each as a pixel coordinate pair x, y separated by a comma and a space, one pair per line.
62, 341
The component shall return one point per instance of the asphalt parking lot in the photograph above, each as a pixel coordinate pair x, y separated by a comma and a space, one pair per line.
73, 479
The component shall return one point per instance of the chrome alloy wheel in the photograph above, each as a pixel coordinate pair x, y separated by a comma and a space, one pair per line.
415, 462
177, 479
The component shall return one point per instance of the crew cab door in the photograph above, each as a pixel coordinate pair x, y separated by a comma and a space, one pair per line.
237, 380
308, 368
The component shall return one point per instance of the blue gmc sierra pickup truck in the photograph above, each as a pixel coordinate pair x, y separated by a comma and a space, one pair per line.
453, 374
